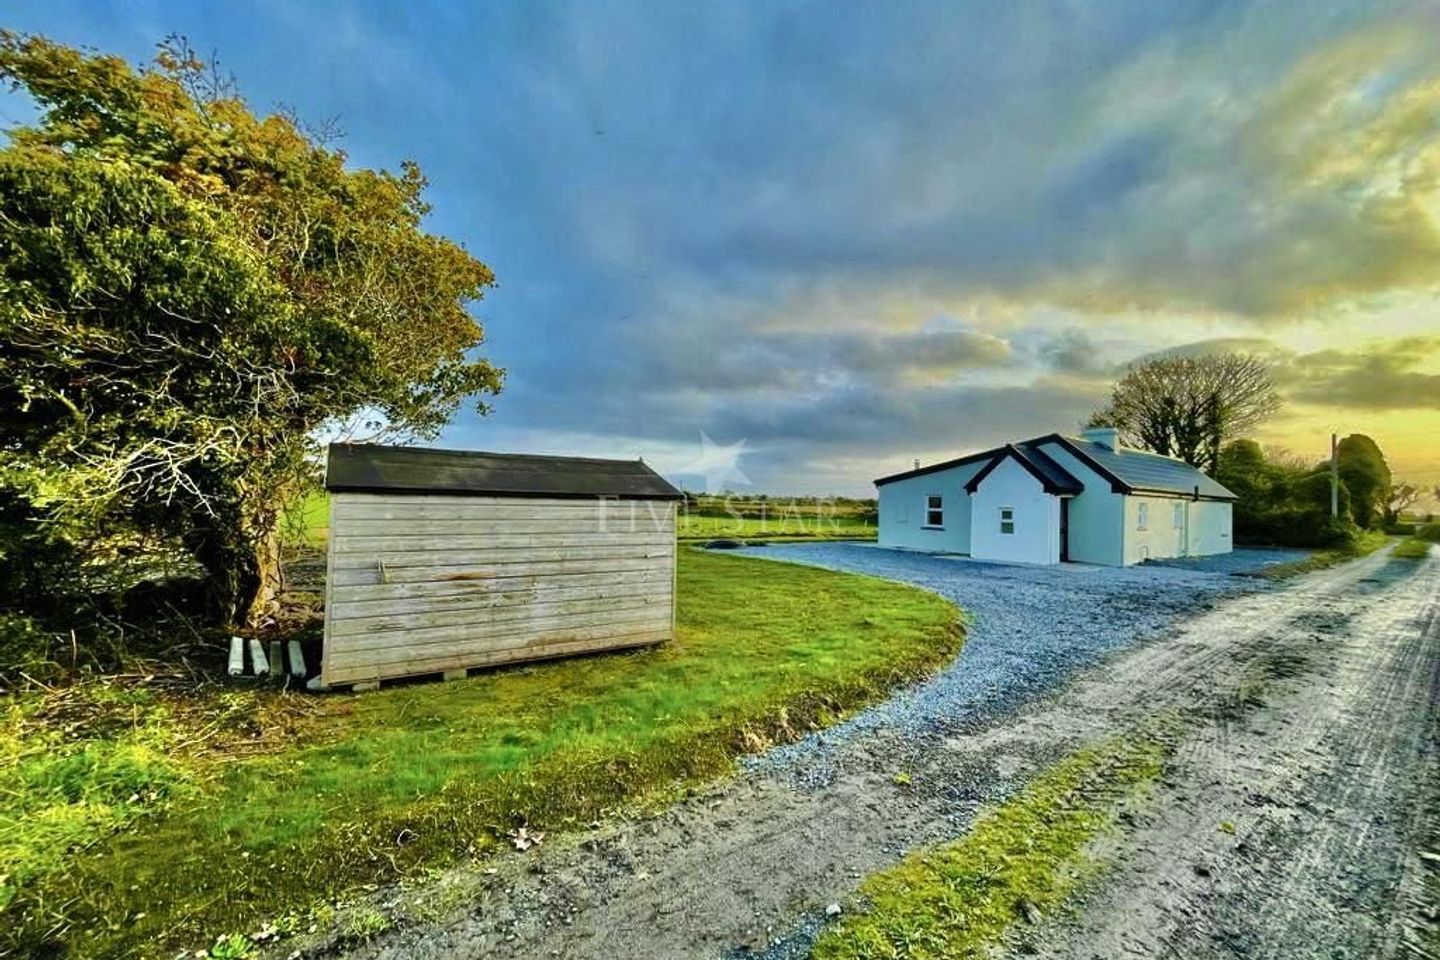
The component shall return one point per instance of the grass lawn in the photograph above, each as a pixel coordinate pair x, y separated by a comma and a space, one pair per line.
1364, 545
959, 899
191, 816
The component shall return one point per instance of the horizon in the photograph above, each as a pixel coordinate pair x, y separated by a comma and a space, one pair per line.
837, 245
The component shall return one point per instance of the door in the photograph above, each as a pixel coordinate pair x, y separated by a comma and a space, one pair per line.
1064, 529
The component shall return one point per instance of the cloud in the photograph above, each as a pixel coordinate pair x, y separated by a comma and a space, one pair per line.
1381, 376
1377, 375
914, 228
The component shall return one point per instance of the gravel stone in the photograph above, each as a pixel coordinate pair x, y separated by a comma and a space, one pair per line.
1030, 629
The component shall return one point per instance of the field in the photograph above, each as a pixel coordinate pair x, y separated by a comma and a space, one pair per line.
142, 818
701, 518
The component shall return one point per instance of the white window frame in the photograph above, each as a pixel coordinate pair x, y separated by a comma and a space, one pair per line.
1178, 512
1142, 516
1007, 516
938, 510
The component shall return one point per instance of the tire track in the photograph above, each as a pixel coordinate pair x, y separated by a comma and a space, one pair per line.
1322, 786
1286, 692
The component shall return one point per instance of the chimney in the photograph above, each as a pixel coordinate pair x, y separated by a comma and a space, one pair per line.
1107, 437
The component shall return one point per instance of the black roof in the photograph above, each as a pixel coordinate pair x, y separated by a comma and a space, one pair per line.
1128, 471
1053, 477
373, 468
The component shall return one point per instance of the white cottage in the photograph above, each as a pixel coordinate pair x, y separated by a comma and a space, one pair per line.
1056, 498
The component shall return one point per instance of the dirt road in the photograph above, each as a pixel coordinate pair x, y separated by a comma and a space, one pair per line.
1285, 827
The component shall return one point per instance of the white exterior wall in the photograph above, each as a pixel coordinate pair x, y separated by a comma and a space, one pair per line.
902, 511
1097, 515
1203, 529
1037, 518
1161, 536
1211, 527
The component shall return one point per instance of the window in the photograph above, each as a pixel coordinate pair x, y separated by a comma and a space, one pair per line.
1179, 509
934, 511
1007, 519
1142, 516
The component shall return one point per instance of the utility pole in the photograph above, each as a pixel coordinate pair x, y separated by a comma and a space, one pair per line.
1334, 476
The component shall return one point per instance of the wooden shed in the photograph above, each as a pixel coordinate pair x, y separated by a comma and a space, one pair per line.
443, 560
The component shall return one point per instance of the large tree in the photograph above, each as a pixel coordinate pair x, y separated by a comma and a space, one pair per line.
1189, 407
1366, 475
1403, 496
189, 292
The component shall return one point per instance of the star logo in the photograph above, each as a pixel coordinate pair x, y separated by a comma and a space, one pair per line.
720, 466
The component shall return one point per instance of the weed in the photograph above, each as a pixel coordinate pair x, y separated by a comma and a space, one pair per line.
232, 946
363, 924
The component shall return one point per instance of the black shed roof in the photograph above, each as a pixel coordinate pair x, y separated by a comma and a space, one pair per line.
373, 468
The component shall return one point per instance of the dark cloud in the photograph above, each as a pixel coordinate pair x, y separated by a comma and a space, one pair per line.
1378, 377
763, 220
1373, 376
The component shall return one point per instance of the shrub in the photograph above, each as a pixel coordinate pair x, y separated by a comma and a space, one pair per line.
1282, 502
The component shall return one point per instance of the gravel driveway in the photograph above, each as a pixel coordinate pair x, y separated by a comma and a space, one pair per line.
1312, 709
1030, 629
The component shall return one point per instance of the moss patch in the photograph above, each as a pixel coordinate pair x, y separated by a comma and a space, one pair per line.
378, 786
958, 899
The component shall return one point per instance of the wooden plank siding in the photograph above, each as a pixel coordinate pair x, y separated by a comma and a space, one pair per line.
428, 583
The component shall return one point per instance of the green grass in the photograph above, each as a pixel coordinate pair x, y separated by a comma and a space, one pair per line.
1365, 544
377, 786
694, 526
59, 791
1417, 546
308, 521
959, 899
1413, 548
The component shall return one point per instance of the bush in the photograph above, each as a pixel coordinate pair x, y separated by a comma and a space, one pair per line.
1281, 503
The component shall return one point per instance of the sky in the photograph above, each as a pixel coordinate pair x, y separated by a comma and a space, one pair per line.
835, 238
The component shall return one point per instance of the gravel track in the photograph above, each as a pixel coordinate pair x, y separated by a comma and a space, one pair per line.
1030, 628
1311, 706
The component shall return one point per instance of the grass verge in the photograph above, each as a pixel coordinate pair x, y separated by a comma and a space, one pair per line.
374, 787
1365, 544
959, 899
1417, 545
1413, 548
